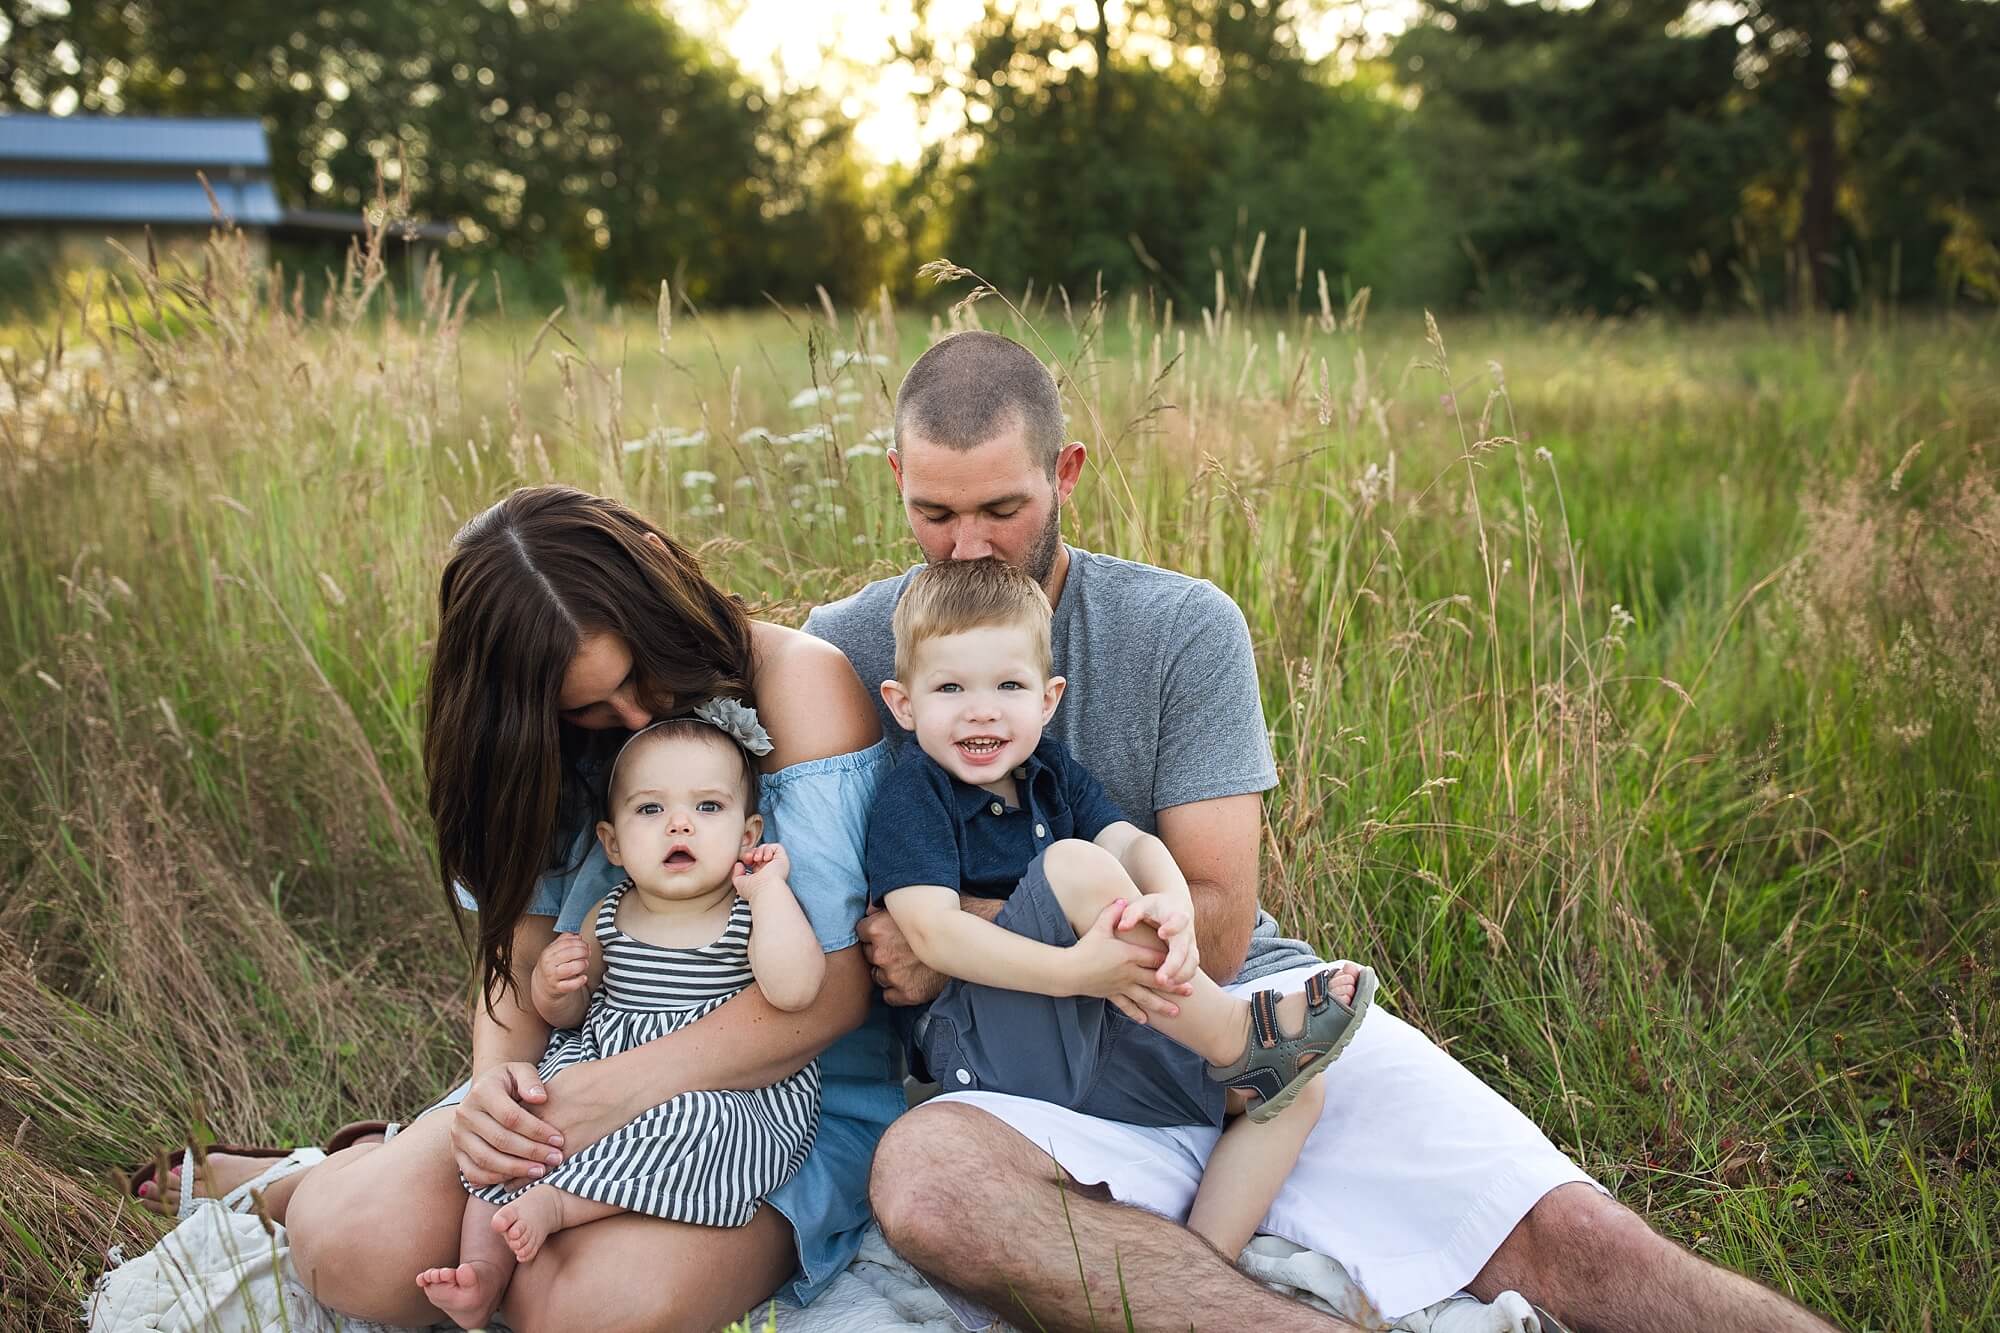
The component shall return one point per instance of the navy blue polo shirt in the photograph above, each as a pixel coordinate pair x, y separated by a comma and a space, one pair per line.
927, 827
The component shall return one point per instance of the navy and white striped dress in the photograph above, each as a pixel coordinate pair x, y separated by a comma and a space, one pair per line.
705, 1157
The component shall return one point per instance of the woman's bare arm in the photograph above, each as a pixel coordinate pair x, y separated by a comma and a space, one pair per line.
493, 1136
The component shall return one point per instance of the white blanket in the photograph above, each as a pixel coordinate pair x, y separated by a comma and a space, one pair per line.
222, 1272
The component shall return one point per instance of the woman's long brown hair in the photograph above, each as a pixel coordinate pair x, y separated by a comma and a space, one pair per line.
526, 582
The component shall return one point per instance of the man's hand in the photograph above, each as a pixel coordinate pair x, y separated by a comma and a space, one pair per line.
495, 1136
1124, 973
895, 969
1173, 919
762, 865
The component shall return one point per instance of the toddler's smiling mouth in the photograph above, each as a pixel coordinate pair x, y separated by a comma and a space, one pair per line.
981, 749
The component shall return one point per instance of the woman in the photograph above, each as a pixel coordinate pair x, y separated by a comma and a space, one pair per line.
566, 620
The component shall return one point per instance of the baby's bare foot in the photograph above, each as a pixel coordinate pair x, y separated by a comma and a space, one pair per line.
529, 1220
468, 1293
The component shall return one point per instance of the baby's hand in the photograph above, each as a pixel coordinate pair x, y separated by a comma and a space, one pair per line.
762, 865
1174, 922
564, 966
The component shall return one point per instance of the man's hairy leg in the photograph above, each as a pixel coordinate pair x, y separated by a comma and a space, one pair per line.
1594, 1264
962, 1196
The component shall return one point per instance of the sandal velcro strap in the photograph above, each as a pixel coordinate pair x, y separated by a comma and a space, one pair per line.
1264, 1018
1274, 1067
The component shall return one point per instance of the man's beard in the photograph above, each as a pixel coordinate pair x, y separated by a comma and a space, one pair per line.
1041, 561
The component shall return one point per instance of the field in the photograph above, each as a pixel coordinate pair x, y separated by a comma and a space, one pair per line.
1635, 688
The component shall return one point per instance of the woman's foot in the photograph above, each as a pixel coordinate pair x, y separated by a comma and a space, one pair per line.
469, 1293
218, 1175
529, 1220
221, 1173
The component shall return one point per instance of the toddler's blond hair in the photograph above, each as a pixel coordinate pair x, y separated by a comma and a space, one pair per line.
953, 596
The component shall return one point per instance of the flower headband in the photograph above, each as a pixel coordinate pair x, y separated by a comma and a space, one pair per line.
736, 720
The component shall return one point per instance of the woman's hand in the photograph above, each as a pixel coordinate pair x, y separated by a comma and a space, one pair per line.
495, 1137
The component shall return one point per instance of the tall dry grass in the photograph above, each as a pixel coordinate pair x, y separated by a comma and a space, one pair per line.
1632, 687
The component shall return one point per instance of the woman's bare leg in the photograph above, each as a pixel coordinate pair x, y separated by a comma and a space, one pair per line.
221, 1172
368, 1219
694, 1278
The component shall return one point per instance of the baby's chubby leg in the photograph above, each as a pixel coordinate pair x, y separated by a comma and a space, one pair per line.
470, 1292
539, 1213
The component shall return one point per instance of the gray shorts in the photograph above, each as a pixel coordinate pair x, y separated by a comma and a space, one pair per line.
1075, 1051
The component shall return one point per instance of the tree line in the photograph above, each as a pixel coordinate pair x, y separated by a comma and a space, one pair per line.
1719, 154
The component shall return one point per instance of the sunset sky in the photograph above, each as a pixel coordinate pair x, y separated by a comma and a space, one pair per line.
844, 47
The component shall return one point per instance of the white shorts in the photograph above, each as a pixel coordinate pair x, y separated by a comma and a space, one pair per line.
1415, 1174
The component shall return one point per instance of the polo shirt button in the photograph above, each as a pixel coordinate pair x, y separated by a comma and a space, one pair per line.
997, 808
1041, 831
964, 1077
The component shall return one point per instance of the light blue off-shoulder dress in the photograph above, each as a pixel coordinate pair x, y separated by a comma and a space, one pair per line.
819, 811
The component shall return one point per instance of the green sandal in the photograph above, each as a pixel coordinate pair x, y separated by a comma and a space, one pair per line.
1275, 1067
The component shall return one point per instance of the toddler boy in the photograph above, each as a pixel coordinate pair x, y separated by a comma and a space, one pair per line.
1085, 990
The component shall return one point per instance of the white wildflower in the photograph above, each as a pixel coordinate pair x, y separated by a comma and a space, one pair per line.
1543, 455
806, 399
854, 451
695, 479
847, 398
1369, 485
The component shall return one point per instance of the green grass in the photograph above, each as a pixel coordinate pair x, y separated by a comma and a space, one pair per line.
1659, 774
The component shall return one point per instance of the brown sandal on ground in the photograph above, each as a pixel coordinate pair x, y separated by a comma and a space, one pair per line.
146, 1172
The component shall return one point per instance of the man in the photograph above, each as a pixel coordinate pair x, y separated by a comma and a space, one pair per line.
1419, 1179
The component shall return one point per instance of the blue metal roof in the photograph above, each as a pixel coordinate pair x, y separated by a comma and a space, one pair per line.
132, 202
158, 141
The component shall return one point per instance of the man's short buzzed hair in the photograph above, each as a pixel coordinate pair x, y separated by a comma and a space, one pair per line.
973, 385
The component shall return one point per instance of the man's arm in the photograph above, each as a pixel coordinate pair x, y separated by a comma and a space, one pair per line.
1216, 843
901, 976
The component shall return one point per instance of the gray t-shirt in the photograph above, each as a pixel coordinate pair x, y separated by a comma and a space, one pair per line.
1162, 704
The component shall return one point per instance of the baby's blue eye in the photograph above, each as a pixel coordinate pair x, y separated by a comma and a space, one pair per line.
1012, 685
710, 807
947, 689
649, 808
